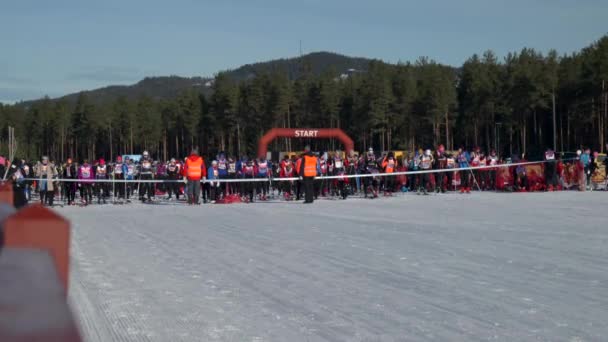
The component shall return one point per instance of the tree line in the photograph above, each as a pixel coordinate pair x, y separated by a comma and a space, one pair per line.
524, 103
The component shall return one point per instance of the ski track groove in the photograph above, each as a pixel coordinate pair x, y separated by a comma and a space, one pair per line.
517, 267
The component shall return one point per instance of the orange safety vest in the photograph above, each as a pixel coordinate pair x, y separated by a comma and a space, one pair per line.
310, 166
194, 168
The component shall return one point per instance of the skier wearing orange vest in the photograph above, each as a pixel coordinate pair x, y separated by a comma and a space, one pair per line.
194, 171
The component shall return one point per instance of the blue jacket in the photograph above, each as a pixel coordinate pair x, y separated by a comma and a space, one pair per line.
585, 159
210, 175
463, 162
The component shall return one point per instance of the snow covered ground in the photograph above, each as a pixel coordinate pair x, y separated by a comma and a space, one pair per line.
479, 267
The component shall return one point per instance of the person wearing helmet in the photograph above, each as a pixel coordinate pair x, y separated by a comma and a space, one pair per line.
46, 172
173, 175
146, 173
70, 172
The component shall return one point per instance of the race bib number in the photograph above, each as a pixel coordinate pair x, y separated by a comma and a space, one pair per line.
118, 169
338, 164
86, 172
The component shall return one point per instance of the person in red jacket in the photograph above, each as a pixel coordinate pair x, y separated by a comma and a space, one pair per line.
194, 171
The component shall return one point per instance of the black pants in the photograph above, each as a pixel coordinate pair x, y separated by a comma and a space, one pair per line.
119, 188
309, 190
492, 179
146, 189
425, 180
389, 183
448, 184
173, 188
464, 178
47, 197
102, 191
263, 187
70, 191
298, 186
411, 182
86, 192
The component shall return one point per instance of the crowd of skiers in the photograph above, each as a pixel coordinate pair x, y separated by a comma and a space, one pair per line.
148, 179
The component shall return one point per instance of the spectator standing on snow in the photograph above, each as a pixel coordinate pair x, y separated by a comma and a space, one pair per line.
194, 171
308, 172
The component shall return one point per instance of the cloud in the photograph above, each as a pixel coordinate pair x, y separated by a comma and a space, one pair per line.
106, 74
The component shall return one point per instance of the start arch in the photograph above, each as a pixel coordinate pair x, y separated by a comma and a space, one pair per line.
304, 133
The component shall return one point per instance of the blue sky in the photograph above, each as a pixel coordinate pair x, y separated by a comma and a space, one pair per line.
62, 46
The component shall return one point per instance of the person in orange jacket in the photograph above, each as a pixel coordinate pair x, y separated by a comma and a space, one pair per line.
309, 169
194, 171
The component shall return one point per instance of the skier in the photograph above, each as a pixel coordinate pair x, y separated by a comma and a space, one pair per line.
370, 166
70, 172
85, 176
222, 165
440, 162
263, 171
194, 171
146, 173
463, 159
351, 164
47, 173
287, 171
101, 173
492, 160
426, 162
213, 188
248, 172
520, 177
321, 184
130, 175
586, 163
340, 170
173, 175
550, 171
389, 164
232, 174
118, 173
15, 175
475, 161
413, 179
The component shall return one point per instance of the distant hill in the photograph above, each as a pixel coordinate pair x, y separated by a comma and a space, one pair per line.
165, 87
316, 62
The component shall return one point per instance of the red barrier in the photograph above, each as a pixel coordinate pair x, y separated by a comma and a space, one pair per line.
38, 227
304, 133
33, 306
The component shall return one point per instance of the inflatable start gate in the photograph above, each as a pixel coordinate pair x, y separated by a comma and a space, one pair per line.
304, 133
